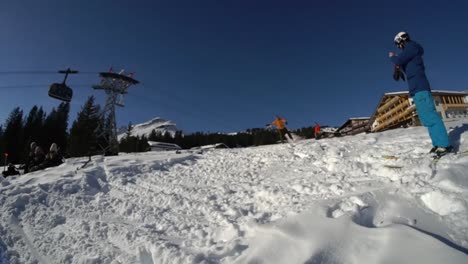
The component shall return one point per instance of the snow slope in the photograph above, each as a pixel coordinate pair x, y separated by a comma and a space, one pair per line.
144, 129
327, 201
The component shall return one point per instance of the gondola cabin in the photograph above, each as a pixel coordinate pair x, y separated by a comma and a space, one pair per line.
61, 91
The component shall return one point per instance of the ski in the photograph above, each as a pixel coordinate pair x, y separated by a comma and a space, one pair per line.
390, 166
436, 158
432, 165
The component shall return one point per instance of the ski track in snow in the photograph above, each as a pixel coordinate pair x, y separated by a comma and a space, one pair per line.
326, 201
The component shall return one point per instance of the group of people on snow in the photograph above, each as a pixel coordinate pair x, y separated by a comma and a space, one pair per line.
281, 123
409, 67
37, 160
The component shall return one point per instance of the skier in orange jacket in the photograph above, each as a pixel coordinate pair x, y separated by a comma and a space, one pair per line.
317, 131
282, 130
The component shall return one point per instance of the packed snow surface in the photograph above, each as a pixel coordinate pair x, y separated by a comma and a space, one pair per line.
370, 198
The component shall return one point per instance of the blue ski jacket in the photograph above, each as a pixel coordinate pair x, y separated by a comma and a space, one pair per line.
411, 62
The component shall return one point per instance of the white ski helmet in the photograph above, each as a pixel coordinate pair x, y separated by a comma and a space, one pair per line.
401, 38
53, 148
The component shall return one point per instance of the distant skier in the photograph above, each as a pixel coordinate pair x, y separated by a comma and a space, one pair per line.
282, 130
411, 63
317, 131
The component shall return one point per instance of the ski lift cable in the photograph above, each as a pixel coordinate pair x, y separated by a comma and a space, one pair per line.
41, 72
27, 72
38, 86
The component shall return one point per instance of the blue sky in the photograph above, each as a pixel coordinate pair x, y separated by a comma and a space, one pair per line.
227, 65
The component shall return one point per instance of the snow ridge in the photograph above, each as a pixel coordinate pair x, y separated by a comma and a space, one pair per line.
327, 201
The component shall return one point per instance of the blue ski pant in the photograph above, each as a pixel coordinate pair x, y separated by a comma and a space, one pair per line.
431, 119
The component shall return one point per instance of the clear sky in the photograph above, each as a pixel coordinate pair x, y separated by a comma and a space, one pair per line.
227, 65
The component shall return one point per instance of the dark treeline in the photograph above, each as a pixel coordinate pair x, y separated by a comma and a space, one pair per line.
251, 137
37, 126
20, 129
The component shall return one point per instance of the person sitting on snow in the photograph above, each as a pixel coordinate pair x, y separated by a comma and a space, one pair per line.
282, 130
11, 171
53, 158
37, 160
30, 158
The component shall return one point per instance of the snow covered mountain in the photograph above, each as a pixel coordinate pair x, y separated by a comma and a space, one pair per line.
370, 198
158, 124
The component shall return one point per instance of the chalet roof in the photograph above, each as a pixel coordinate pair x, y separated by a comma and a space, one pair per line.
450, 92
351, 119
217, 145
162, 144
435, 92
359, 118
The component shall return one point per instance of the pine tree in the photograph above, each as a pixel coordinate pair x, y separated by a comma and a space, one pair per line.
83, 135
129, 130
168, 138
179, 138
39, 133
142, 143
153, 136
128, 143
13, 135
34, 129
50, 129
2, 145
29, 130
61, 139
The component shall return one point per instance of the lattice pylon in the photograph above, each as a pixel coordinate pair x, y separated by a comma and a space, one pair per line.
115, 85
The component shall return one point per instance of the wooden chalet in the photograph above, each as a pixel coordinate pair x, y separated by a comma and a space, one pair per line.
398, 110
354, 126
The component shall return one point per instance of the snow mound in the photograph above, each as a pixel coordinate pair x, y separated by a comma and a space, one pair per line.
314, 201
442, 204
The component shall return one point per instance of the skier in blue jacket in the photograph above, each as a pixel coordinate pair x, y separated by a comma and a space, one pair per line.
410, 61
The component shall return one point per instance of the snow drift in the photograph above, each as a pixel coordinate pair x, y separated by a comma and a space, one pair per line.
328, 201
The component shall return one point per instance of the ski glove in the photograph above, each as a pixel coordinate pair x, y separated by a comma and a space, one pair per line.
398, 74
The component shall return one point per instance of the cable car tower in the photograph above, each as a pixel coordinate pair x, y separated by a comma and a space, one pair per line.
115, 85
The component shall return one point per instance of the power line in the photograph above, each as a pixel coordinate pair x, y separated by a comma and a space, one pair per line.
41, 72
28, 72
40, 86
